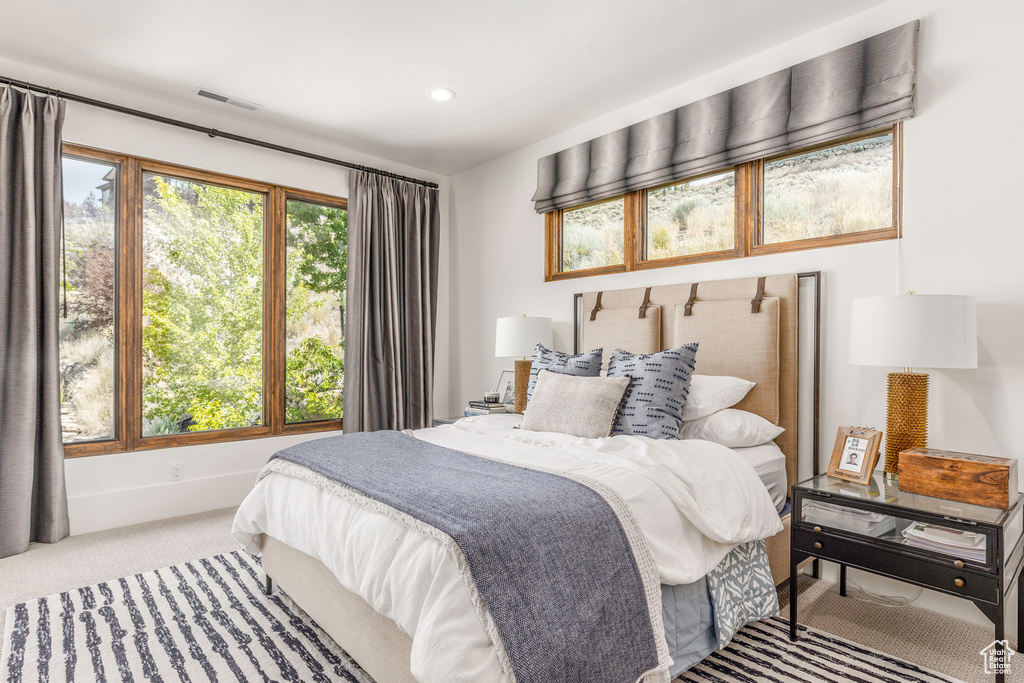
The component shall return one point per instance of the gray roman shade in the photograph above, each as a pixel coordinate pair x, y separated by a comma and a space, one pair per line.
853, 89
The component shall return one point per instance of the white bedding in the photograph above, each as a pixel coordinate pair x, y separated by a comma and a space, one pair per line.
694, 501
769, 462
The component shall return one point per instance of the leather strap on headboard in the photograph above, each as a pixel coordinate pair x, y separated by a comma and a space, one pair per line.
693, 297
597, 307
646, 304
755, 303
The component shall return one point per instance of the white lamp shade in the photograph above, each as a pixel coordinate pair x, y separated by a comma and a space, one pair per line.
518, 335
919, 330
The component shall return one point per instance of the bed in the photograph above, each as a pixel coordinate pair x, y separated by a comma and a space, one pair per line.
746, 328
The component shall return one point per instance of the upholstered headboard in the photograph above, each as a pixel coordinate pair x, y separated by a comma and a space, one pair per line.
746, 328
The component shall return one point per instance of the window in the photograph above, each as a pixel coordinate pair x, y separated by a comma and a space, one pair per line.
836, 190
315, 294
200, 307
844, 192
692, 217
87, 332
592, 235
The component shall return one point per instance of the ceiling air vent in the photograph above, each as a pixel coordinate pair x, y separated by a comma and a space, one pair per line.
251, 106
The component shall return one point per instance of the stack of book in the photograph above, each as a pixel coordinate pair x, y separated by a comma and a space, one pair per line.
966, 545
484, 408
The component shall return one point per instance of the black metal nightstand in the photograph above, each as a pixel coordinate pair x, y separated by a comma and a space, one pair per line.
438, 421
862, 526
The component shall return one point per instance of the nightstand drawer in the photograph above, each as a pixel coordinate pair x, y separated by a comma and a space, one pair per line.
866, 556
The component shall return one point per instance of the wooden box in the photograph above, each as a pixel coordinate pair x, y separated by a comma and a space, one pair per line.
966, 478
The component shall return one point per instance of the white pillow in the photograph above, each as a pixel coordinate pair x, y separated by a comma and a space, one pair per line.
711, 393
732, 428
580, 406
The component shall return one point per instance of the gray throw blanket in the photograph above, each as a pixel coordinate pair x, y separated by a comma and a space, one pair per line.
547, 553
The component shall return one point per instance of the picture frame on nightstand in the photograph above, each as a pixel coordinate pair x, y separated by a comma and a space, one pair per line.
855, 454
507, 388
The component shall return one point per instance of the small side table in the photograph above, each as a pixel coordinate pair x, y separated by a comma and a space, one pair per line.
438, 421
861, 525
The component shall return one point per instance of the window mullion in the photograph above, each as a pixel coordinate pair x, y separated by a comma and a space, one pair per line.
274, 313
130, 268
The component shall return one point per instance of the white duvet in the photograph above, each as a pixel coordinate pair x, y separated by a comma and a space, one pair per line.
694, 501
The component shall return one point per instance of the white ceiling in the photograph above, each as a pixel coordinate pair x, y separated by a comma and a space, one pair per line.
357, 73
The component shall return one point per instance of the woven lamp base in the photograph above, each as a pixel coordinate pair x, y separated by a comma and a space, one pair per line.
522, 383
906, 417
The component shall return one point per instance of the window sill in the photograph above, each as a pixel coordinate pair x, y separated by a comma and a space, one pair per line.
90, 448
822, 242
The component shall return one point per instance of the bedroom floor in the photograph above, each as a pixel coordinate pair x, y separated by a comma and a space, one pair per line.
932, 640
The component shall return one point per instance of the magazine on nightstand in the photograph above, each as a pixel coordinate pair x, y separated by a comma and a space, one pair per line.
966, 545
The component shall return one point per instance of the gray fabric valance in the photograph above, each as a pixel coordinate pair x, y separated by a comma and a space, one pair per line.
853, 89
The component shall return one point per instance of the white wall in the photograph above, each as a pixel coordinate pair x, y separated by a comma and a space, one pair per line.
961, 225
116, 490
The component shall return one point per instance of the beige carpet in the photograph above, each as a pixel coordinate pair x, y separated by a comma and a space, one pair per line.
929, 639
90, 558
932, 640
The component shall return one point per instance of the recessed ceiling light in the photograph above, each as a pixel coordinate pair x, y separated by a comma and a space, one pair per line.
442, 94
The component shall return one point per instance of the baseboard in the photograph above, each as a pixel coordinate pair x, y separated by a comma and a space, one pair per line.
124, 507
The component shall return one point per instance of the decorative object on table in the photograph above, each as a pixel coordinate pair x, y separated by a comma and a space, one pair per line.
963, 477
492, 397
925, 330
506, 389
855, 454
516, 337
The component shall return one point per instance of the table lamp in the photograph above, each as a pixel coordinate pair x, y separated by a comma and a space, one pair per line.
925, 331
516, 336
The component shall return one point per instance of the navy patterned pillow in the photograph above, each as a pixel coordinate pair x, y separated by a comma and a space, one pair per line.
653, 404
583, 365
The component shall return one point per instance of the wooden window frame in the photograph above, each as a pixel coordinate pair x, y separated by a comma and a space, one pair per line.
128, 307
553, 241
748, 224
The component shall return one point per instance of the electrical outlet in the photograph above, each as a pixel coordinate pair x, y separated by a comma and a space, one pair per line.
177, 471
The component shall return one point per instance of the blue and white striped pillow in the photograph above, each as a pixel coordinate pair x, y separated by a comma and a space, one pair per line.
583, 365
653, 404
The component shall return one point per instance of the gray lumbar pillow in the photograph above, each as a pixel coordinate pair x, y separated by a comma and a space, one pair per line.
580, 406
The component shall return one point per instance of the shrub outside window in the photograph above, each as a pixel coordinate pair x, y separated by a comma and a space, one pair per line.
836, 190
692, 217
87, 331
315, 282
202, 306
592, 235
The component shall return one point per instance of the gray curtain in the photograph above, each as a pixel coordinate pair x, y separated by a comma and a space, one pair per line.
391, 303
856, 88
33, 501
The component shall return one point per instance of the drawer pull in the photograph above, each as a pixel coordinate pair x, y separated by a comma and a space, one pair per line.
817, 529
958, 582
817, 545
959, 564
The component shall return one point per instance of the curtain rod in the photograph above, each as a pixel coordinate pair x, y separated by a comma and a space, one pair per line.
212, 132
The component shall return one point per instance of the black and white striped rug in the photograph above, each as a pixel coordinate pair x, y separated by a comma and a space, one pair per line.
208, 620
